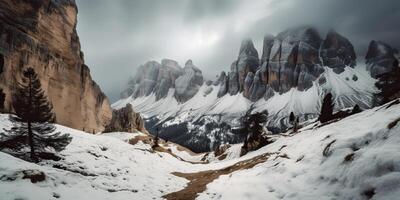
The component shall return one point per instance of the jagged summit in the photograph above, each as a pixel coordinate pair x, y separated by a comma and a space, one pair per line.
296, 69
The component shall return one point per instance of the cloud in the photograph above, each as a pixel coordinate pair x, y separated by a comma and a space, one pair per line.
118, 36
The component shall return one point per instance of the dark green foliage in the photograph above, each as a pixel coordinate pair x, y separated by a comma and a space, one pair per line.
326, 109
32, 124
389, 85
356, 109
253, 130
291, 117
2, 99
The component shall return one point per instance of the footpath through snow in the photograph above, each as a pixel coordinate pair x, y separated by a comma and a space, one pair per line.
354, 158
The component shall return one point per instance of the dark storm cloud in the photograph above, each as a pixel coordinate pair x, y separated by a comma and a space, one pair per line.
118, 36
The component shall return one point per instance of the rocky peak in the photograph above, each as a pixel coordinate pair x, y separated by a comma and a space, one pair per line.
42, 35
337, 52
380, 57
188, 84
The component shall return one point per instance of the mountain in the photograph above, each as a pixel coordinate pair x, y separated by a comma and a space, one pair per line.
354, 158
296, 69
42, 35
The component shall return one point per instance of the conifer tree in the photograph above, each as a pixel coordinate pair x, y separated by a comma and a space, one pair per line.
32, 124
389, 85
326, 109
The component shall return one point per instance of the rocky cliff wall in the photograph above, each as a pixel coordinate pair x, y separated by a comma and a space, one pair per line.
42, 34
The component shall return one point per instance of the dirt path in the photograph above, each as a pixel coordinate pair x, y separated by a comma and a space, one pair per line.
198, 181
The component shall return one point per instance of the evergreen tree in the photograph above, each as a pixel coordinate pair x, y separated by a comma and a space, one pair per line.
326, 109
2, 99
291, 117
33, 121
389, 85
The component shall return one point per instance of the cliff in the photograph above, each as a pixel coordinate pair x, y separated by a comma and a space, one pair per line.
42, 35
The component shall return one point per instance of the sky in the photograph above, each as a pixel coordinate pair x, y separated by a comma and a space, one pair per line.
118, 36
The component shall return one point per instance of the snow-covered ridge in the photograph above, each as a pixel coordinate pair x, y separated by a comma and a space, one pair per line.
354, 158
352, 86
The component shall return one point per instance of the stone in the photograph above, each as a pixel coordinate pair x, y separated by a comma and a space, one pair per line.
42, 35
126, 120
380, 58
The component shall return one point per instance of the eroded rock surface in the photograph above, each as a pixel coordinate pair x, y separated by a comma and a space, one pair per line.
380, 58
42, 35
126, 120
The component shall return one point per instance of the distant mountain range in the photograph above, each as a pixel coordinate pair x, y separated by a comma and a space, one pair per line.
295, 71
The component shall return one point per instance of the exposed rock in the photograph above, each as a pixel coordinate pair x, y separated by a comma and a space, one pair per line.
153, 77
208, 91
269, 92
233, 76
294, 59
247, 61
380, 58
42, 35
224, 82
337, 52
258, 88
126, 120
187, 85
247, 84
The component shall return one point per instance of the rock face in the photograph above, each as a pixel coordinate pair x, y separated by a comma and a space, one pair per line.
247, 61
42, 35
188, 84
126, 120
153, 77
379, 58
293, 59
337, 52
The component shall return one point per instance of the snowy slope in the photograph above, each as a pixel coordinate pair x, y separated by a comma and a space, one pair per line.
351, 87
362, 161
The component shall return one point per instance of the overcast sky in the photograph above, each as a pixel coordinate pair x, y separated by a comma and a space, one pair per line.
119, 35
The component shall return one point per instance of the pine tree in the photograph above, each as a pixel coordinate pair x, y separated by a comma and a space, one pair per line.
155, 143
291, 117
33, 121
389, 85
326, 109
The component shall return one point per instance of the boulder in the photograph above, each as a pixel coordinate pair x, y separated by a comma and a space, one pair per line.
379, 58
337, 52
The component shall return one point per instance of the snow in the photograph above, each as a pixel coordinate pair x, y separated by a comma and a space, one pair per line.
375, 165
107, 167
346, 91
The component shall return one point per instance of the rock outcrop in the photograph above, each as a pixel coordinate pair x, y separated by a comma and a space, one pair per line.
380, 58
42, 35
126, 120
